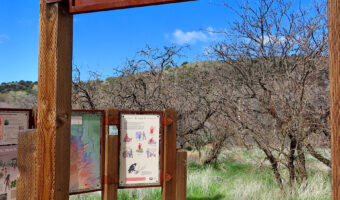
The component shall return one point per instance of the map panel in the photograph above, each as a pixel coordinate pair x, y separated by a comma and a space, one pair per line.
85, 167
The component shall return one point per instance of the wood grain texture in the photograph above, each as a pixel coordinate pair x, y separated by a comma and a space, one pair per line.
54, 102
26, 166
169, 187
181, 174
83, 6
334, 60
111, 157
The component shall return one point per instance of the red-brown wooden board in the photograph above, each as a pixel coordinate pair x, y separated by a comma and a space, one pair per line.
84, 6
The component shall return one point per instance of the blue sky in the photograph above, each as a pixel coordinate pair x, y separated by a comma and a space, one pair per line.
104, 40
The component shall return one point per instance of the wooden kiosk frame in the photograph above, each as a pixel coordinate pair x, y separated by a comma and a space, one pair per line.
54, 96
54, 91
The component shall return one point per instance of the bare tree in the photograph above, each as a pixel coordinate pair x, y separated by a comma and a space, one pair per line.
86, 94
273, 69
152, 80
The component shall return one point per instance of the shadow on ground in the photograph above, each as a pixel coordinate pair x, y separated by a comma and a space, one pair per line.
216, 197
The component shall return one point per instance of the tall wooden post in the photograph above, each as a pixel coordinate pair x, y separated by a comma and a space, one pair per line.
181, 176
111, 156
54, 101
169, 181
334, 61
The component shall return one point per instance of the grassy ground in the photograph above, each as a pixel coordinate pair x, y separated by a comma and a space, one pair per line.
239, 176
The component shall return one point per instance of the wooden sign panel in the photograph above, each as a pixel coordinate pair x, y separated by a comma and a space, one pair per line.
87, 146
140, 149
12, 121
83, 6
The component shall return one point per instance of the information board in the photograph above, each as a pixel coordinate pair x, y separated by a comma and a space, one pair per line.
86, 152
11, 123
8, 172
140, 149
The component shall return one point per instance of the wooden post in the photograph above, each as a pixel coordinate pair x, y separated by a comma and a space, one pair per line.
334, 61
111, 156
54, 102
169, 177
26, 166
181, 171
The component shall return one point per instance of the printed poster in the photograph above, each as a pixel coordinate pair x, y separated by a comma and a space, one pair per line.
11, 123
139, 150
8, 172
85, 167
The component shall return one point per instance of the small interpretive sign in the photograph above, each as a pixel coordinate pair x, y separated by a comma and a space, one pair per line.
140, 136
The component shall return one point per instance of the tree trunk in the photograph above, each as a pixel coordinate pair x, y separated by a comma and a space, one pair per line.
273, 162
275, 168
291, 159
301, 163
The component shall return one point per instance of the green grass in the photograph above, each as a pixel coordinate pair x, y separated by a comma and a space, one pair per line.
239, 176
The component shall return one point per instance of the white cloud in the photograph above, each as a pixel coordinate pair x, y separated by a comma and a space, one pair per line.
181, 37
273, 39
3, 37
211, 31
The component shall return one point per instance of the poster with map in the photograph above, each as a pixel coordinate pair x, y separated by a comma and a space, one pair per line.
8, 172
139, 163
11, 123
85, 167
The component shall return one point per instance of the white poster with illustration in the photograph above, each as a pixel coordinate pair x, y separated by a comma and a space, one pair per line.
139, 150
11, 123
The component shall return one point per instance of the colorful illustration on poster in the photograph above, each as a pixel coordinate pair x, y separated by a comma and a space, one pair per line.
128, 153
139, 156
152, 141
11, 123
139, 149
127, 138
85, 168
140, 136
152, 129
150, 153
8, 171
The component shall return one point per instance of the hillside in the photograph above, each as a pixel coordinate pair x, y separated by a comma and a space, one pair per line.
22, 94
26, 86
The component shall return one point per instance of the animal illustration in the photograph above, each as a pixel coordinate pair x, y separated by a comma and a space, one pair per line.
132, 168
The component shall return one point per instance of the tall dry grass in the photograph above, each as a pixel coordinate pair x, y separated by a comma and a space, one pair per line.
240, 175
